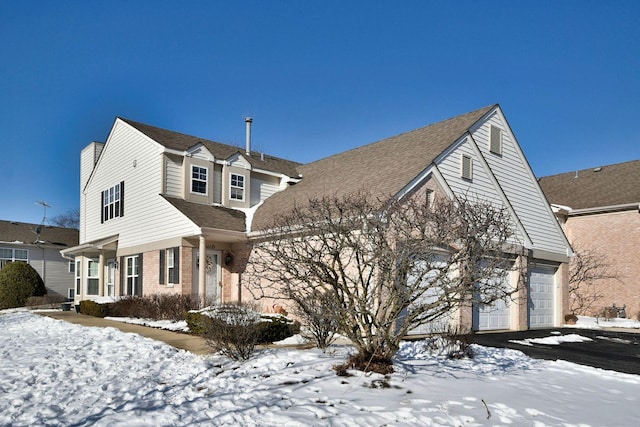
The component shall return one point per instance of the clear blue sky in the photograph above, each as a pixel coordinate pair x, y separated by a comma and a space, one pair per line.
317, 77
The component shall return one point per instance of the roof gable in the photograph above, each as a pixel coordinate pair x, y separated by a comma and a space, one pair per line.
603, 186
384, 167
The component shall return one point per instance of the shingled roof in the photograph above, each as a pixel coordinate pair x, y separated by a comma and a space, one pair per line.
383, 168
210, 216
182, 142
604, 186
22, 232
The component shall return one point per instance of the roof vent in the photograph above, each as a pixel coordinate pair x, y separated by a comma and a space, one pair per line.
598, 169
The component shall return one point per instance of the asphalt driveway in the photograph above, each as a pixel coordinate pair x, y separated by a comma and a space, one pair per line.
611, 350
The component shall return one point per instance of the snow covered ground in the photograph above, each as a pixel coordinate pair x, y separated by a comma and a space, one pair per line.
56, 373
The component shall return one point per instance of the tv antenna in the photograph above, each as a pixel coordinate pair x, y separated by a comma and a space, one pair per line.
44, 205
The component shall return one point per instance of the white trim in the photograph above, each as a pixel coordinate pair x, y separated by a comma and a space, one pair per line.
236, 187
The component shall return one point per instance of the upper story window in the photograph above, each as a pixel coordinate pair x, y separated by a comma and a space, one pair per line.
113, 202
9, 255
199, 179
236, 187
466, 167
495, 140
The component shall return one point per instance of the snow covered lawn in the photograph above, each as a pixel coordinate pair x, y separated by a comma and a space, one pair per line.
56, 373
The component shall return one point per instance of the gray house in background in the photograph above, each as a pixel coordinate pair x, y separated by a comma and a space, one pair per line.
40, 246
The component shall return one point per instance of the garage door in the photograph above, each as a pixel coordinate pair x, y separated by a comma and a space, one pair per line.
491, 317
542, 297
495, 316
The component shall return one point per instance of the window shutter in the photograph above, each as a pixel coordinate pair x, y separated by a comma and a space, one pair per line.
176, 265
102, 207
495, 143
162, 266
467, 167
121, 198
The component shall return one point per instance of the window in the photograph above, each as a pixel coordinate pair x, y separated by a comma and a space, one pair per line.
93, 280
495, 140
466, 167
72, 266
198, 180
78, 278
170, 266
113, 202
237, 187
134, 284
71, 294
9, 255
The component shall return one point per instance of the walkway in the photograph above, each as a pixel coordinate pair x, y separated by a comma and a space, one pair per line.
191, 343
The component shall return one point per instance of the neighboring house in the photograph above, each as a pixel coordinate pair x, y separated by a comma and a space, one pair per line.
40, 245
599, 210
155, 202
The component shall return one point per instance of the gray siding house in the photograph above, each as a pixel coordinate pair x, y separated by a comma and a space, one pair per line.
40, 245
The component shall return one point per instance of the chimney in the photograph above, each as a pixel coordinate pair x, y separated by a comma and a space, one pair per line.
248, 121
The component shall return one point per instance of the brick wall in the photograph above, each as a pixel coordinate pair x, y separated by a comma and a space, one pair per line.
617, 236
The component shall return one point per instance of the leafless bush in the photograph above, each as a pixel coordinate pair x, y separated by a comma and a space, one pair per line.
158, 306
233, 331
317, 311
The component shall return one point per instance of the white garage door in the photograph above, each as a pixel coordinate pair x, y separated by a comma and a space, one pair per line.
491, 317
542, 297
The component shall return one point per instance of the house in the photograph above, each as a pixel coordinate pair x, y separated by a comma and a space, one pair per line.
599, 209
40, 245
156, 202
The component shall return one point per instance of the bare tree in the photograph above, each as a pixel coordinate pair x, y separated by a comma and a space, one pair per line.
69, 219
384, 261
587, 267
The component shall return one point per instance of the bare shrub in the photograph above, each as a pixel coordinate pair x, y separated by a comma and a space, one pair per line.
233, 331
317, 312
157, 306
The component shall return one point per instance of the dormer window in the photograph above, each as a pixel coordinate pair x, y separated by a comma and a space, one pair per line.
236, 190
199, 179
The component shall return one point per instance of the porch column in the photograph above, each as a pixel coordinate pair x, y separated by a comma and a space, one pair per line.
202, 270
101, 282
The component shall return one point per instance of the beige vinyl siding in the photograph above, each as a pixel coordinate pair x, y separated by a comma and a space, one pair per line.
88, 158
514, 176
173, 176
147, 216
262, 187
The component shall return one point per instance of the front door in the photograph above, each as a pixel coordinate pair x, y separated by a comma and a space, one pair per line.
111, 278
212, 275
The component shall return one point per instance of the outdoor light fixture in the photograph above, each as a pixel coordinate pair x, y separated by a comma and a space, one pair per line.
228, 259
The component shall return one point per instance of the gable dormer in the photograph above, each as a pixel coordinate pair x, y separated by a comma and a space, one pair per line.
236, 182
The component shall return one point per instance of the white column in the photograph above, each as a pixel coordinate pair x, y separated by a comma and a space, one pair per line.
202, 270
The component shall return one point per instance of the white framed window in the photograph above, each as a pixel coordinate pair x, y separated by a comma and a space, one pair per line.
495, 140
93, 279
466, 167
72, 266
134, 284
428, 199
71, 293
113, 202
9, 255
236, 187
78, 276
173, 255
199, 179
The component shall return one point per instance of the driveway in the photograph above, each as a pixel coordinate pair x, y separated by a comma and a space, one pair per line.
611, 350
